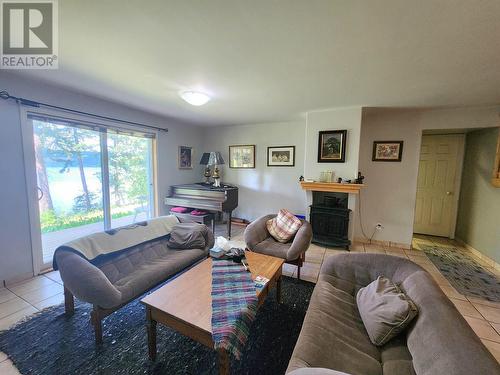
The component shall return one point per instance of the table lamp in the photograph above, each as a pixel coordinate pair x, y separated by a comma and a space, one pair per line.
216, 159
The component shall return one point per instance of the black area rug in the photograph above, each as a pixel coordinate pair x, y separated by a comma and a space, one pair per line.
51, 343
464, 273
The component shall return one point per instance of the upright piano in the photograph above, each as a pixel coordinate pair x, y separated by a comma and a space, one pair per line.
205, 197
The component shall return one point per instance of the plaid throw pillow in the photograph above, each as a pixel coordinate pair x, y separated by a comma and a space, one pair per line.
284, 226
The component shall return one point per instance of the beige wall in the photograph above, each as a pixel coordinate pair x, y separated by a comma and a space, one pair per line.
389, 196
264, 189
267, 189
479, 208
333, 119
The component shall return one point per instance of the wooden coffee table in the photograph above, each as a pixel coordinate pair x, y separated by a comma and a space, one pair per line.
185, 303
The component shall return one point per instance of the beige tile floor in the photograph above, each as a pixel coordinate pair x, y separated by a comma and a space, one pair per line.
22, 299
25, 298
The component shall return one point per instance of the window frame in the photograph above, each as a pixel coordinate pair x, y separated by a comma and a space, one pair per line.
31, 185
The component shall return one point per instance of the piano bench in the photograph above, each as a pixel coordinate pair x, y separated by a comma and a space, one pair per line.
208, 219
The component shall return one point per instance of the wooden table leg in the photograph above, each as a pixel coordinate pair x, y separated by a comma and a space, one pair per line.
151, 326
96, 320
229, 216
69, 302
278, 289
223, 362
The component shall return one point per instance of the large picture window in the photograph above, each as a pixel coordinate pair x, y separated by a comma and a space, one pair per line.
89, 178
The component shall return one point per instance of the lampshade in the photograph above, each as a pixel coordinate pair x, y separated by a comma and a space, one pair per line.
215, 158
204, 158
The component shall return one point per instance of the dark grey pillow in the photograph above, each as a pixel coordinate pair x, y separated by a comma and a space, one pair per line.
385, 310
188, 236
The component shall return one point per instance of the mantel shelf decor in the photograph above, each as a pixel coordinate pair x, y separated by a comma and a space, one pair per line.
332, 187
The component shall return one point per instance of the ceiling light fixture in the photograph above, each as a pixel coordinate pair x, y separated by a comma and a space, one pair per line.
195, 98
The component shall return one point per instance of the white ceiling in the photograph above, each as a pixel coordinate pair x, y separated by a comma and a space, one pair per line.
272, 60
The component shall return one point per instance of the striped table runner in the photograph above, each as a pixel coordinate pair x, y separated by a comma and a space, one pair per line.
234, 305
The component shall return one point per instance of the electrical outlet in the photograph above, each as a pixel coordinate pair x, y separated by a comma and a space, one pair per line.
379, 226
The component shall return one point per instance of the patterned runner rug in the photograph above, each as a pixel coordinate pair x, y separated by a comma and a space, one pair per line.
463, 272
234, 305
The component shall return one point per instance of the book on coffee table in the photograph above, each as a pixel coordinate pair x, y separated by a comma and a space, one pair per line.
260, 282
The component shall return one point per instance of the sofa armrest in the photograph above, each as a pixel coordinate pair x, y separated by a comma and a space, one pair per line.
209, 240
87, 282
256, 231
301, 241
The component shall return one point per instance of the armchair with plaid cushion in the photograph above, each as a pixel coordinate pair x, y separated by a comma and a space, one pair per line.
258, 239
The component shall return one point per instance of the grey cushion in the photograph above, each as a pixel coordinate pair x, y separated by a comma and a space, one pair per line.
155, 271
395, 357
188, 236
385, 310
272, 247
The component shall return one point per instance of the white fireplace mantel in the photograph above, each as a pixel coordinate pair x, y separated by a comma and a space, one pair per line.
333, 187
351, 189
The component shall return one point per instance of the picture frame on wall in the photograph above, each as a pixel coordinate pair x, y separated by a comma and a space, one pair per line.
387, 151
185, 157
332, 146
242, 156
281, 156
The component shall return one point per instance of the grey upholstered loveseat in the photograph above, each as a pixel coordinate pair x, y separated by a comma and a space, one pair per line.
333, 339
110, 281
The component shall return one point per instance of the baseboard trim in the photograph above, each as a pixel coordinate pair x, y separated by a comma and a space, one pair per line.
478, 254
398, 245
18, 278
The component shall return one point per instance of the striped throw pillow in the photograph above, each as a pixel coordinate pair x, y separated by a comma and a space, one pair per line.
284, 226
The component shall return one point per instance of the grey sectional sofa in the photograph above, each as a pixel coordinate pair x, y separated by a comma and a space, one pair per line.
111, 281
333, 339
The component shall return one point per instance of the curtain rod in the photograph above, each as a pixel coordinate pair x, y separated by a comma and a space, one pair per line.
32, 103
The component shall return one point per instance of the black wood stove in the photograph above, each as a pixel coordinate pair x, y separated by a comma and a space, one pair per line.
329, 218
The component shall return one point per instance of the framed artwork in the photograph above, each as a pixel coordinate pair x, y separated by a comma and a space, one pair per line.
281, 156
387, 150
331, 146
242, 156
185, 157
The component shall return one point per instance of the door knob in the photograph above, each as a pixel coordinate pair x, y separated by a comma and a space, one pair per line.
449, 193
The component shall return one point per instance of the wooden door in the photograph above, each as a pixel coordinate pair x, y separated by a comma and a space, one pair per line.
437, 185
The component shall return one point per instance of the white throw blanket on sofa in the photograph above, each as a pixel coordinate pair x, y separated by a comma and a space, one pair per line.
101, 243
